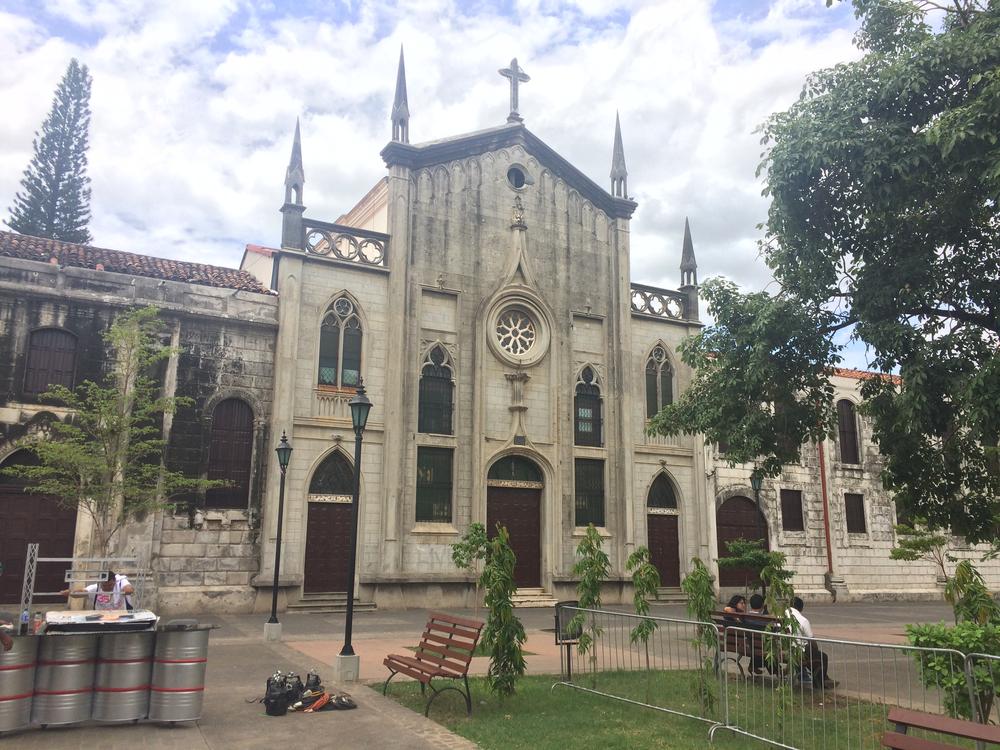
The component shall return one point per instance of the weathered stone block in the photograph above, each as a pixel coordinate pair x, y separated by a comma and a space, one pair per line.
179, 536
194, 550
241, 578
216, 579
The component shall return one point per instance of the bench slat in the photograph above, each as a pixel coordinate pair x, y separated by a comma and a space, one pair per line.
898, 741
424, 665
476, 625
443, 652
460, 667
945, 724
460, 631
450, 641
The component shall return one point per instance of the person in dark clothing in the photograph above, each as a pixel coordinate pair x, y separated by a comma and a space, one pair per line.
757, 661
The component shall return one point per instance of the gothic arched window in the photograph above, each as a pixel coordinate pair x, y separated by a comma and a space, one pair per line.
661, 494
230, 452
333, 477
437, 394
51, 360
847, 422
587, 410
340, 346
659, 381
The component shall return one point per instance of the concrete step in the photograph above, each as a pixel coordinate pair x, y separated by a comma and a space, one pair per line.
670, 595
533, 597
330, 602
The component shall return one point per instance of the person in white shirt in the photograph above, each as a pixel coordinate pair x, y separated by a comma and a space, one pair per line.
114, 593
816, 660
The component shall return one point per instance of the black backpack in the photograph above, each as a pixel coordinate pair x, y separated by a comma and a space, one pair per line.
281, 691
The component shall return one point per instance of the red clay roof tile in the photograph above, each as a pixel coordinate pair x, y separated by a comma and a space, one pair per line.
43, 250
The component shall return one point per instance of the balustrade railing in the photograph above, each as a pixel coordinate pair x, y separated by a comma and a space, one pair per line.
347, 244
659, 303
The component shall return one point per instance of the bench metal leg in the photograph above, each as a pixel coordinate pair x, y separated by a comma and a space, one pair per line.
385, 686
467, 694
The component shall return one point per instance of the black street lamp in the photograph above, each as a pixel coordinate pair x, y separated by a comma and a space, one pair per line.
360, 406
284, 451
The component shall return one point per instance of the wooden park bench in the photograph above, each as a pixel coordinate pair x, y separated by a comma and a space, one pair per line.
444, 652
739, 644
904, 720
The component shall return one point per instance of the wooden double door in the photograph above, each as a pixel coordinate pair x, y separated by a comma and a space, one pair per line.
519, 510
328, 547
738, 518
664, 547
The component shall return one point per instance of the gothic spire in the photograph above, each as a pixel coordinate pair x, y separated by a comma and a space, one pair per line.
295, 176
400, 107
619, 175
689, 267
291, 213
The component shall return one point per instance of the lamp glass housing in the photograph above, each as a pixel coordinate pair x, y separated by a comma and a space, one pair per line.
360, 406
756, 479
284, 451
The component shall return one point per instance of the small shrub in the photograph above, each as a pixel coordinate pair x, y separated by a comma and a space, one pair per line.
503, 636
593, 566
469, 552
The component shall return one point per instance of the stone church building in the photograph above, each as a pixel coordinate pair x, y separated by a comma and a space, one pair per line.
482, 291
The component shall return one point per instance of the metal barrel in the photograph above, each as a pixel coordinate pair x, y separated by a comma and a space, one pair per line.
178, 685
64, 680
17, 683
121, 682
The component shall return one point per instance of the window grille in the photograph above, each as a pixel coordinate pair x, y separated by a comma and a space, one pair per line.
587, 410
340, 341
437, 393
791, 510
661, 493
335, 476
589, 486
434, 484
51, 360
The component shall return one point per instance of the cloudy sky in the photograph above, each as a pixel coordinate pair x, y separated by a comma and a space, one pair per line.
194, 103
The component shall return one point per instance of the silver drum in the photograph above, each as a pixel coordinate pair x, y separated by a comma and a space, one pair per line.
64, 679
17, 683
121, 682
178, 685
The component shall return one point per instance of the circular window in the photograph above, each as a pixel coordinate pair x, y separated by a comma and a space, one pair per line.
515, 176
515, 331
343, 307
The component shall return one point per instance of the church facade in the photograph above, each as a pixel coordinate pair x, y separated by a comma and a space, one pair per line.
481, 291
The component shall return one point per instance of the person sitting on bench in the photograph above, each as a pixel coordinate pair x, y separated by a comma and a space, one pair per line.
816, 661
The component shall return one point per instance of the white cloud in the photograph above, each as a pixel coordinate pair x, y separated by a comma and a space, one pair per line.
194, 103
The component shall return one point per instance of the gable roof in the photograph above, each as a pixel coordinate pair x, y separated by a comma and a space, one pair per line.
417, 155
43, 250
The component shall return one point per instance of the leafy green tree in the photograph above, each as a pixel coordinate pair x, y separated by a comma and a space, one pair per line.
645, 584
699, 586
749, 555
54, 201
592, 566
469, 552
884, 179
918, 543
504, 634
106, 459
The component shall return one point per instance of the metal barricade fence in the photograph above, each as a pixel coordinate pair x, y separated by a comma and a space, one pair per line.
827, 694
982, 673
785, 690
664, 672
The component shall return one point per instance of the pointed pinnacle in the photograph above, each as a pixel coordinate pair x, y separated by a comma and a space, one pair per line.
688, 262
618, 155
296, 158
400, 108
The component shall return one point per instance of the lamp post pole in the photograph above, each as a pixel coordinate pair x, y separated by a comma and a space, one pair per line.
756, 480
284, 451
360, 406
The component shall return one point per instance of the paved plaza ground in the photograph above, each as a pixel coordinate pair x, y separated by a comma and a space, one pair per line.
240, 661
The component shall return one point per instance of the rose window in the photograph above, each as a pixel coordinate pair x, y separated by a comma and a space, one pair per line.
515, 332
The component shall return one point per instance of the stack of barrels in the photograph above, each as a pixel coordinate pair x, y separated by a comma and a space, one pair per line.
111, 678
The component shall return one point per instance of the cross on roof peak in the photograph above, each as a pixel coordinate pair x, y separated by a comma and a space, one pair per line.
516, 75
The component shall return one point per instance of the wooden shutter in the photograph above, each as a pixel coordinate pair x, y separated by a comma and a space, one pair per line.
589, 486
848, 424
51, 360
854, 505
229, 454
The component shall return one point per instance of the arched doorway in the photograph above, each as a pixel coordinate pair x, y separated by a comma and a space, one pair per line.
328, 526
738, 518
27, 518
662, 531
514, 500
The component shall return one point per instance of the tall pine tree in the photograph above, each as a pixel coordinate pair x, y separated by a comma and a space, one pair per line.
55, 198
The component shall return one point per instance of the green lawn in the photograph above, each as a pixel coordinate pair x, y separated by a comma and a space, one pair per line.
541, 718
